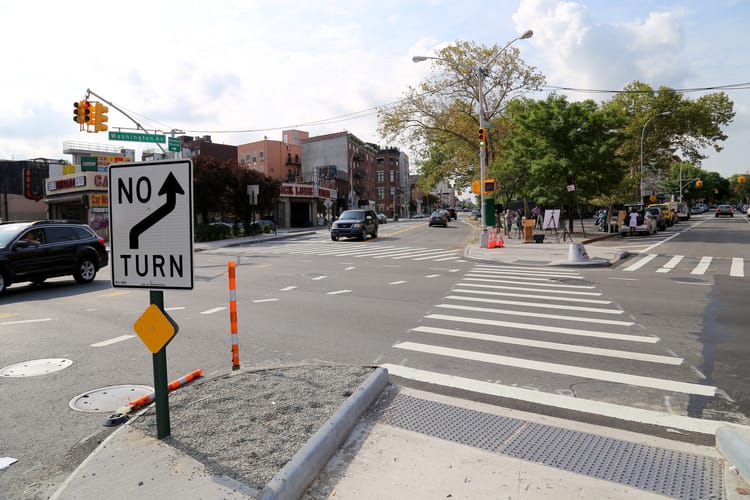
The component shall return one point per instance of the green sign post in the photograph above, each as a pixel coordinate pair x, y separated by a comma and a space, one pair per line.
135, 137
174, 144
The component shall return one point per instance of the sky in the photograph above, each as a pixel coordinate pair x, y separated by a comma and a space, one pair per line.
242, 70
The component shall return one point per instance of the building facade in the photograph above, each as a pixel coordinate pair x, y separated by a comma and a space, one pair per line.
343, 164
280, 160
392, 193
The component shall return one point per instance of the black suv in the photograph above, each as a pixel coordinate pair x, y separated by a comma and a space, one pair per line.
35, 251
355, 223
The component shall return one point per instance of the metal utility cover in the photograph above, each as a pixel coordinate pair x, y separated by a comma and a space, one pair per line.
151, 224
108, 399
35, 367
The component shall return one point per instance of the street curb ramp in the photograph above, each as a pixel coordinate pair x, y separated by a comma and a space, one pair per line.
290, 482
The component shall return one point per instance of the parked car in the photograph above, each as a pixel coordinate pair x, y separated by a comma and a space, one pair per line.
696, 209
646, 223
724, 210
661, 221
418, 215
357, 223
382, 219
36, 251
438, 218
669, 214
260, 226
748, 211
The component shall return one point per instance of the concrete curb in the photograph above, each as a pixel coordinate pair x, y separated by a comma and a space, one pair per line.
734, 444
290, 482
209, 245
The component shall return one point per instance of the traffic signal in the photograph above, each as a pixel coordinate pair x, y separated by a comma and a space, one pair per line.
699, 183
490, 186
85, 112
482, 137
77, 111
98, 117
741, 179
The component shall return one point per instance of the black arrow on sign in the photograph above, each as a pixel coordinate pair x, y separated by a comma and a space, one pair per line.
171, 188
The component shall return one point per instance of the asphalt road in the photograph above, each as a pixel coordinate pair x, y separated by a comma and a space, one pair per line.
406, 299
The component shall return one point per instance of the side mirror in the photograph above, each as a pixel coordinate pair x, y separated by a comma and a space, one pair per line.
22, 244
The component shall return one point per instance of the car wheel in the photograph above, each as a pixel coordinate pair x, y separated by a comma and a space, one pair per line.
334, 237
86, 271
375, 234
363, 236
3, 283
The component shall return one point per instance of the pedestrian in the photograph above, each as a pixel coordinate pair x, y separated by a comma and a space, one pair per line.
537, 217
519, 224
508, 222
633, 222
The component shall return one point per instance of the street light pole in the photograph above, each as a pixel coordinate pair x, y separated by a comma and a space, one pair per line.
643, 133
482, 150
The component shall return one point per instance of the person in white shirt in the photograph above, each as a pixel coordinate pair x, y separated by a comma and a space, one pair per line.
633, 223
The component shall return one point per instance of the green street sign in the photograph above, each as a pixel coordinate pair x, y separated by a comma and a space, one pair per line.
88, 163
135, 137
174, 144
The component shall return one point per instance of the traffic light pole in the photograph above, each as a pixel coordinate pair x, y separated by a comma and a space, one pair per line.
482, 164
89, 92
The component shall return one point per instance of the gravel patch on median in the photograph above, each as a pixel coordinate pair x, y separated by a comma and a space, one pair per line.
247, 425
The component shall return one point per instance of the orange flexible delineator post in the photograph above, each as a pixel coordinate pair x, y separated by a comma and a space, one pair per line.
233, 316
175, 384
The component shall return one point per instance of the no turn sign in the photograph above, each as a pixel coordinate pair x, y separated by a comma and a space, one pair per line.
151, 224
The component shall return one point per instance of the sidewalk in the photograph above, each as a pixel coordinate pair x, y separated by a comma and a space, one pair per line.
390, 442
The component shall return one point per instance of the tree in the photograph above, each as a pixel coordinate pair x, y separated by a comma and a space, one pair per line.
551, 144
679, 136
441, 114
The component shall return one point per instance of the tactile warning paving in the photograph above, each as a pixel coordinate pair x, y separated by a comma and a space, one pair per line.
662, 471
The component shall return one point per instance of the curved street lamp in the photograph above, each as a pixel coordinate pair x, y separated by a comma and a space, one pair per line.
643, 133
482, 152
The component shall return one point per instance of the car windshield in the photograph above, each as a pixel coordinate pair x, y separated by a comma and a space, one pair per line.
352, 215
8, 232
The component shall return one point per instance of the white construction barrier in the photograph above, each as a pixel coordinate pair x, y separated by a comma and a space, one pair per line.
577, 253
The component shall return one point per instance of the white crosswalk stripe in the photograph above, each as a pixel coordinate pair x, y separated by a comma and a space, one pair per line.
697, 266
515, 318
374, 250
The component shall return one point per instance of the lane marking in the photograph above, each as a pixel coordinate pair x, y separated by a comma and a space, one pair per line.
536, 304
8, 315
639, 264
287, 288
175, 308
538, 297
115, 294
573, 371
259, 301
318, 278
737, 269
702, 266
547, 283
24, 321
503, 287
214, 310
513, 274
397, 282
671, 264
621, 412
338, 292
596, 351
537, 315
432, 276
545, 328
115, 340
526, 268
349, 268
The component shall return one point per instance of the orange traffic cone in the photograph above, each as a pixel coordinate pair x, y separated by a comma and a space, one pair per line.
491, 243
499, 243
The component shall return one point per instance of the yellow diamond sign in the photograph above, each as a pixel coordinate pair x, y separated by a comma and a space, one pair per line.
155, 328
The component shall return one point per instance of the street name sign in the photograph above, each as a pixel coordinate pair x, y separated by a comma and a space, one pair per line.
136, 137
151, 224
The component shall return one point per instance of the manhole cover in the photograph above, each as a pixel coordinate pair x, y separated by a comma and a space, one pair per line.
35, 367
108, 399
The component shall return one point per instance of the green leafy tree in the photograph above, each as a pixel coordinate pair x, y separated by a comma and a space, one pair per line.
440, 117
673, 127
551, 144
